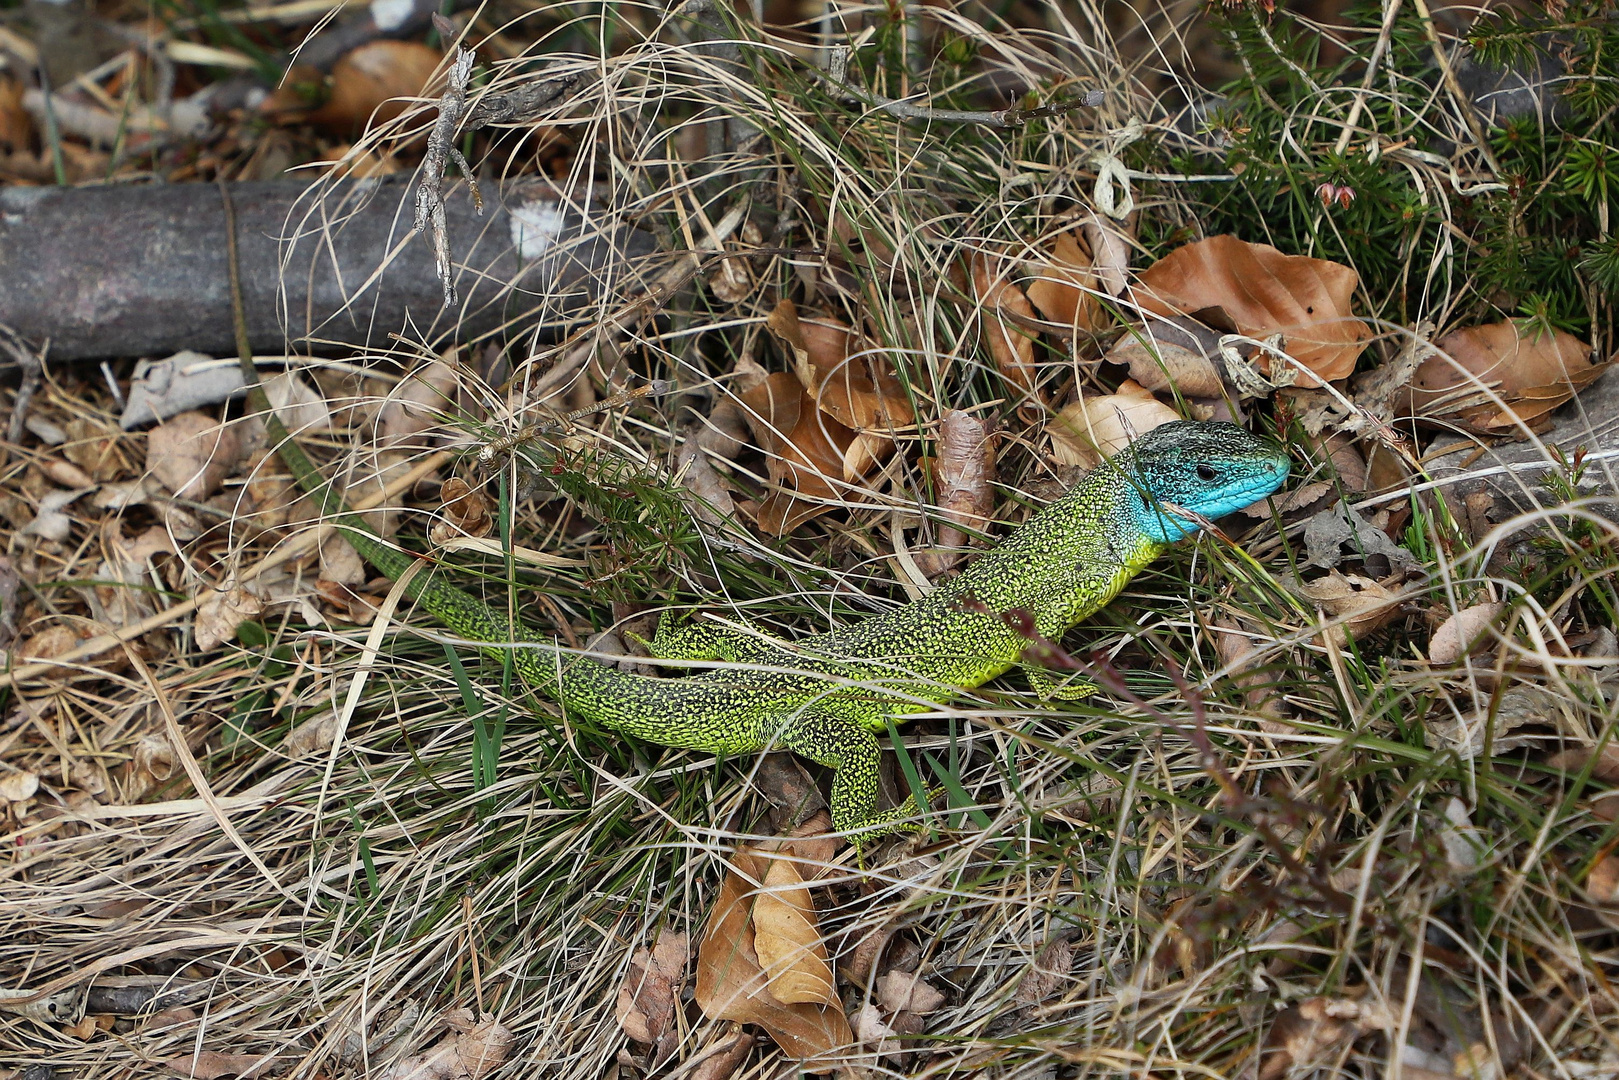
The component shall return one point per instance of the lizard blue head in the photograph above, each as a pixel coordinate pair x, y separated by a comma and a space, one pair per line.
1208, 469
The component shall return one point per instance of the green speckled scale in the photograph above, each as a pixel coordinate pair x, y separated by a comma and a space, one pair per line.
824, 697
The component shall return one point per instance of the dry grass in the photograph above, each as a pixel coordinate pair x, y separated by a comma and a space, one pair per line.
1107, 906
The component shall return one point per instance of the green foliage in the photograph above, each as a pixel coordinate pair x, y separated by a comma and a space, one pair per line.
1537, 243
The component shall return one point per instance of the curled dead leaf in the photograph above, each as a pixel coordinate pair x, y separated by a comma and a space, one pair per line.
1011, 346
858, 391
732, 983
1064, 287
221, 612
472, 1048
420, 402
213, 1065
192, 453
1095, 428
1171, 354
1357, 605
650, 993
1313, 1029
787, 937
1258, 291
1530, 374
465, 512
369, 82
18, 784
963, 469
804, 450
1462, 633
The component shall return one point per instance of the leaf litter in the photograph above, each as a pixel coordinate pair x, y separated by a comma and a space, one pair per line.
837, 439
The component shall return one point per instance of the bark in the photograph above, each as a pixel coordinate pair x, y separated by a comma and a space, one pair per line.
139, 271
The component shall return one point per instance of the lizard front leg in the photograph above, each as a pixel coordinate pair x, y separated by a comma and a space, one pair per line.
1049, 683
853, 754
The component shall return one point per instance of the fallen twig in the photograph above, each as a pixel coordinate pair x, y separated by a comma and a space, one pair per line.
441, 146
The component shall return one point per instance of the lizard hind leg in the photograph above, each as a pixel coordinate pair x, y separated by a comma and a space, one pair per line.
853, 754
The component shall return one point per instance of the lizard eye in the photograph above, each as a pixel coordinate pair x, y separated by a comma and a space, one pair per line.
1206, 473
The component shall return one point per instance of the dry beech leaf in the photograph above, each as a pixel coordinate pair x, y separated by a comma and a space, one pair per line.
1259, 291
651, 990
1364, 604
1095, 428
731, 982
472, 1049
221, 612
119, 598
1064, 287
860, 393
1011, 346
50, 521
1110, 253
192, 453
66, 474
963, 470
17, 785
730, 281
1532, 375
1049, 974
804, 450
365, 82
1605, 768
1314, 1029
420, 401
787, 938
465, 512
873, 1033
1176, 353
904, 991
1462, 633
212, 1065
1603, 880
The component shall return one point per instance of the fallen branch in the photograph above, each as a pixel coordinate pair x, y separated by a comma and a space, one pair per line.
139, 271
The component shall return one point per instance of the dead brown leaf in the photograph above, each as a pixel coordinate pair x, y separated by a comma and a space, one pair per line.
212, 1065
16, 127
1316, 1029
1603, 880
1095, 428
1064, 287
1259, 291
804, 450
862, 393
420, 402
787, 938
1176, 353
1532, 375
904, 991
726, 1060
366, 84
465, 512
1011, 346
650, 993
1049, 974
730, 281
17, 785
963, 470
192, 453
473, 1048
221, 612
1462, 633
1110, 252
1574, 760
731, 981
1365, 605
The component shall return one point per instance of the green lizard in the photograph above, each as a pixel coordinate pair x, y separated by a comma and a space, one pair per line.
826, 696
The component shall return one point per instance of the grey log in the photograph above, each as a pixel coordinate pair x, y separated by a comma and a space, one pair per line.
121, 271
